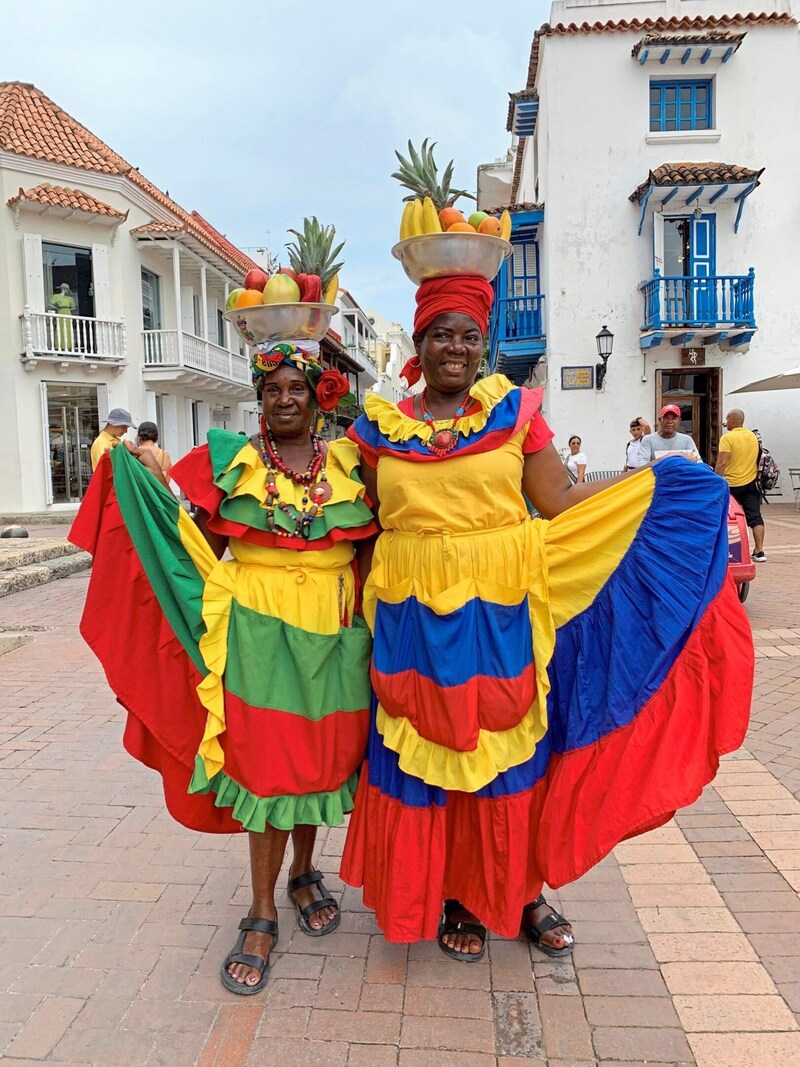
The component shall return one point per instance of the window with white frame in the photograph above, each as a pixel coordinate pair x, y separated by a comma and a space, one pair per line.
683, 104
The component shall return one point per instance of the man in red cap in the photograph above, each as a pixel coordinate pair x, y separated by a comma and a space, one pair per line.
667, 438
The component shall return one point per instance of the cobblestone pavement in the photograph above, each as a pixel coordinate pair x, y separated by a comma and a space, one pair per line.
114, 920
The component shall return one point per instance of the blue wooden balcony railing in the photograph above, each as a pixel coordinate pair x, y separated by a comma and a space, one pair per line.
517, 318
720, 300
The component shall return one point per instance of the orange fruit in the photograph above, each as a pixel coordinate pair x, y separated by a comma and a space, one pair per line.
461, 227
491, 226
249, 298
449, 215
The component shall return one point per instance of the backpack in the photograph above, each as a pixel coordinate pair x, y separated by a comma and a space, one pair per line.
767, 470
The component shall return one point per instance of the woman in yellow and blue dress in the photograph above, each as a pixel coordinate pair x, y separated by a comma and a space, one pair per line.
542, 688
245, 679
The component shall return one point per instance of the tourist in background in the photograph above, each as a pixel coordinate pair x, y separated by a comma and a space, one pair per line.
633, 450
668, 438
576, 460
116, 426
737, 462
147, 437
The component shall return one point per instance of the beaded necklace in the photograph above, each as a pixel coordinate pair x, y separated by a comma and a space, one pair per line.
315, 493
445, 440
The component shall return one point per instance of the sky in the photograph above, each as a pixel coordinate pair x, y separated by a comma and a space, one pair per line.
257, 114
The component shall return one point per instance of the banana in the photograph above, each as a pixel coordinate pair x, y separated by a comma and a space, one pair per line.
417, 227
430, 217
406, 222
331, 289
505, 226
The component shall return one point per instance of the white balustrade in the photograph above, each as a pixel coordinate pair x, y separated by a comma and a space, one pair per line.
79, 338
161, 349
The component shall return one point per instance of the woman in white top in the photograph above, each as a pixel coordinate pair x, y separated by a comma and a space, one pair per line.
576, 461
633, 449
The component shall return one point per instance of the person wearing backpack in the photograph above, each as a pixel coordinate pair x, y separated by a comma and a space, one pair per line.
737, 462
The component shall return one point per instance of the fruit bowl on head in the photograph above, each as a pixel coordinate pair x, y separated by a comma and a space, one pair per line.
272, 323
445, 255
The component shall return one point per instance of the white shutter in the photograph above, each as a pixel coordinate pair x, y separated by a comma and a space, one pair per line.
187, 309
658, 241
168, 436
34, 272
48, 472
101, 279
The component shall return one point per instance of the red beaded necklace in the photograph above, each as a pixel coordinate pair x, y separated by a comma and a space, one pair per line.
314, 493
445, 440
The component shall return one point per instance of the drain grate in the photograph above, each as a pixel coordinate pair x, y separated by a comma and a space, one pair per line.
10, 628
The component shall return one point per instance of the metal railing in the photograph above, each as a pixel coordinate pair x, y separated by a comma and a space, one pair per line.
46, 335
163, 348
719, 300
518, 318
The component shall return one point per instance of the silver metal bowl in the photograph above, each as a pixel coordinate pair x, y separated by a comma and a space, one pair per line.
281, 322
442, 255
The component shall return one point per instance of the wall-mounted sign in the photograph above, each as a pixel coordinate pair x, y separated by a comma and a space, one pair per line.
221, 414
577, 377
693, 357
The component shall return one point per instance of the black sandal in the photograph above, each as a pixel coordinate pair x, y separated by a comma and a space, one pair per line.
325, 901
446, 926
553, 921
258, 963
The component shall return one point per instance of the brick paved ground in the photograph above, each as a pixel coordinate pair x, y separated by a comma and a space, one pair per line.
114, 920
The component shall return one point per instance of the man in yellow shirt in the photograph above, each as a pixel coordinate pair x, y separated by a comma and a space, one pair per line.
116, 426
737, 462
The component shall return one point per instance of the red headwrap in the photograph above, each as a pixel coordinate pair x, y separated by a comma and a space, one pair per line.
465, 295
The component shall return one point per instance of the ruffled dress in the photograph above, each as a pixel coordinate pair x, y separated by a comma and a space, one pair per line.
245, 679
526, 673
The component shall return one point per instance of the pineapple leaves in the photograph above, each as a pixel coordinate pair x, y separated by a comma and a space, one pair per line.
312, 252
419, 174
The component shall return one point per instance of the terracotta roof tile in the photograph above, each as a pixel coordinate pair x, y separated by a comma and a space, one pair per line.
71, 199
32, 125
687, 24
525, 205
157, 227
674, 40
696, 174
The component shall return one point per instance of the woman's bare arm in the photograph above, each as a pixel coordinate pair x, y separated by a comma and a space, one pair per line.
217, 543
547, 485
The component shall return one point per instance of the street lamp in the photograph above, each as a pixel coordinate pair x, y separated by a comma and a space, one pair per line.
605, 344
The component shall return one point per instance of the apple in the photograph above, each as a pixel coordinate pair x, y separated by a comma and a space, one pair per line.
476, 218
281, 289
256, 279
233, 295
288, 270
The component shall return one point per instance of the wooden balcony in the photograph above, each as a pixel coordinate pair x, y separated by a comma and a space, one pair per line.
517, 337
686, 310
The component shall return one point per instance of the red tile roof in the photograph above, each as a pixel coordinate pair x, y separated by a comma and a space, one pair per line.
32, 125
676, 39
697, 174
71, 199
687, 24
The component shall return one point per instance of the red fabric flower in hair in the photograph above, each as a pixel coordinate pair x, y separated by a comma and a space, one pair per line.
331, 387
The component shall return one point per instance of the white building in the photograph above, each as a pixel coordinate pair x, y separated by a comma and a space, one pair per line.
112, 295
394, 349
653, 187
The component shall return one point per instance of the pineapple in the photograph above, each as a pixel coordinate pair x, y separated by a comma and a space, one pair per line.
421, 176
312, 252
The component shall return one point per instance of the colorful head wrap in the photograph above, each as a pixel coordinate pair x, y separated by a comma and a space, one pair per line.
328, 386
463, 294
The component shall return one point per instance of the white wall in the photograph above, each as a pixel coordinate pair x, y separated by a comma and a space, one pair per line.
592, 129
